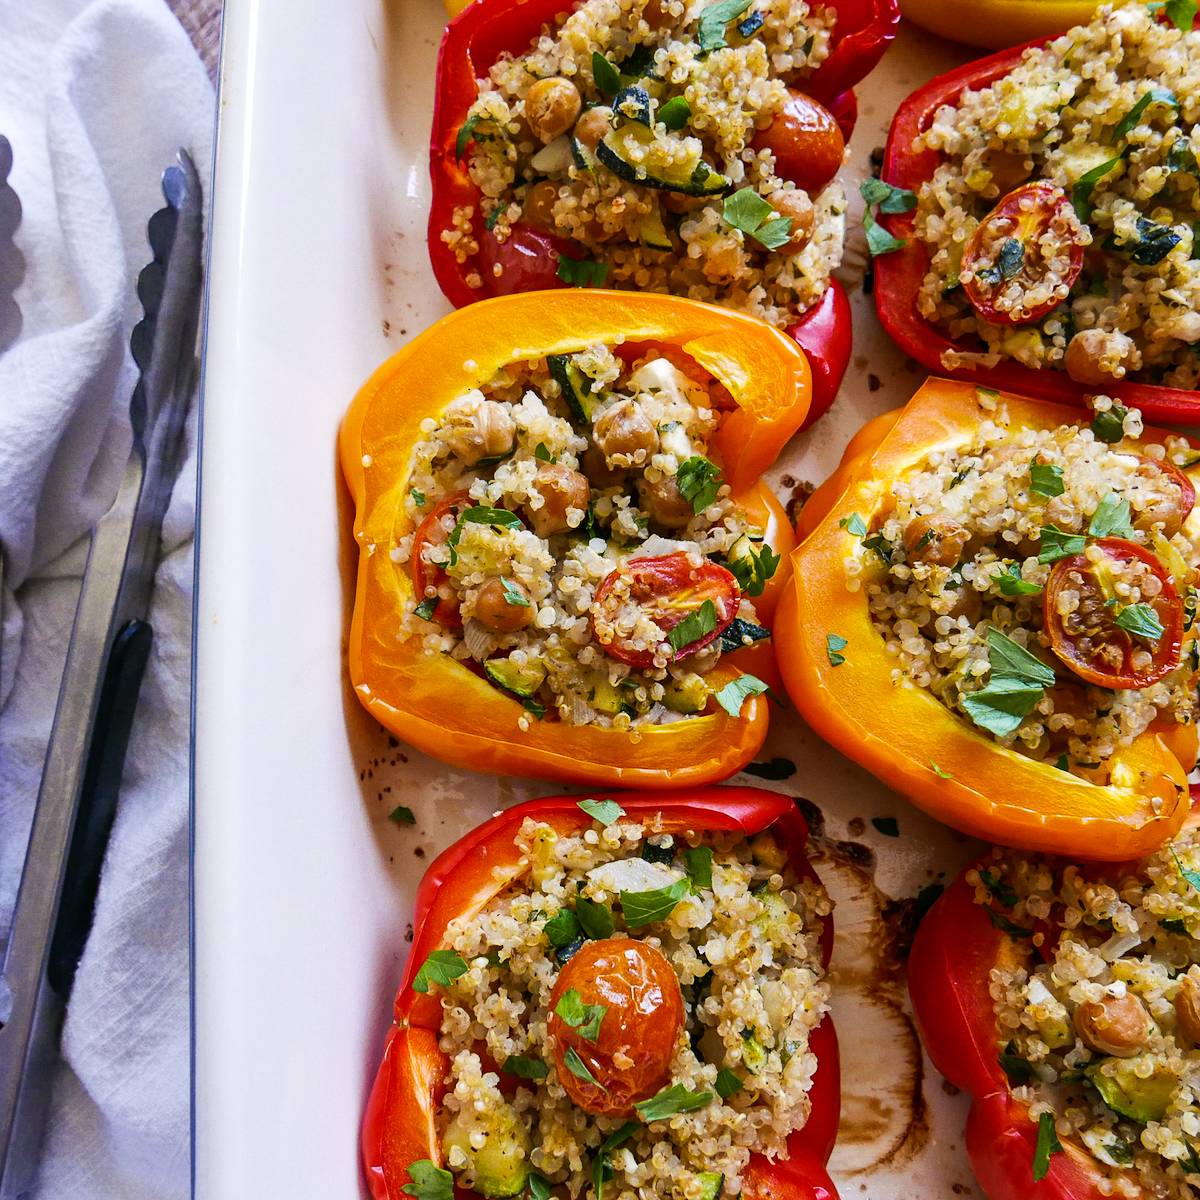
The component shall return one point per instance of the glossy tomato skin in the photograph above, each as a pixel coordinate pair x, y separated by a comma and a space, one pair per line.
1169, 517
668, 588
1025, 214
527, 260
433, 532
631, 1056
1119, 552
807, 143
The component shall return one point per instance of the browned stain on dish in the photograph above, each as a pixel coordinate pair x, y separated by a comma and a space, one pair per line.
797, 498
884, 1118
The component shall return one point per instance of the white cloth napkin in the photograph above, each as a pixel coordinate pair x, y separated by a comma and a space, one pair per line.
95, 98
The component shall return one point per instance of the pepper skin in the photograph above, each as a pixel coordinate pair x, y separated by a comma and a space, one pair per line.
487, 28
949, 971
898, 275
995, 24
439, 705
399, 1123
902, 732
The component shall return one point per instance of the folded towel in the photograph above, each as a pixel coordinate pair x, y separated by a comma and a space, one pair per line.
95, 98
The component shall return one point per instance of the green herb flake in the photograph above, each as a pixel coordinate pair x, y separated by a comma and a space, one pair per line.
699, 481
595, 919
578, 1067
889, 199
645, 908
513, 595
710, 30
676, 113
1012, 583
1111, 518
418, 497
727, 1083
879, 241
754, 569
542, 453
1191, 878
604, 812
998, 888
600, 1171
539, 1188
941, 774
562, 928
465, 134
880, 545
581, 272
532, 706
1081, 193
854, 524
442, 968
1019, 1070
427, 608
1181, 14
1047, 1144
525, 1068
1045, 480
1002, 705
607, 77
834, 645
585, 1019
1009, 660
1055, 543
400, 815
698, 863
429, 1182
1156, 95
888, 826
1001, 922
672, 1100
737, 691
1109, 425
696, 625
748, 211
491, 220
1141, 620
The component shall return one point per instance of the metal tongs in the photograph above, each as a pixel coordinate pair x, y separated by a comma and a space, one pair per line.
109, 647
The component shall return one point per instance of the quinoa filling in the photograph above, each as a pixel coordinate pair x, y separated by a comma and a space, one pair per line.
1102, 277
576, 546
653, 138
1099, 1024
690, 1054
1040, 583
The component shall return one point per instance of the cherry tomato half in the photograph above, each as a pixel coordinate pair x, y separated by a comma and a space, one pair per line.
1024, 256
807, 143
1168, 515
435, 530
1089, 639
667, 589
527, 258
630, 1056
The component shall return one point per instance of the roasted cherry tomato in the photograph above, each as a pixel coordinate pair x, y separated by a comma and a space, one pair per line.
806, 141
527, 258
1024, 255
1168, 515
629, 1058
667, 589
435, 530
1093, 639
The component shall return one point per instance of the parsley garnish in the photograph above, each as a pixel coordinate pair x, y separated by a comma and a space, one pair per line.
1045, 480
578, 1067
1156, 95
1001, 922
748, 211
1047, 1144
699, 481
1018, 1069
1109, 425
427, 608
595, 919
698, 863
442, 967
1017, 682
710, 31
542, 454
883, 197
998, 888
581, 272
600, 1171
737, 691
513, 594
465, 134
562, 928
1012, 583
1081, 193
605, 812
697, 624
525, 1068
644, 908
752, 570
676, 113
418, 497
1056, 543
1111, 518
499, 518
727, 1084
1140, 620
607, 77
1192, 878
834, 645
429, 1182
854, 524
539, 1188
585, 1019
672, 1100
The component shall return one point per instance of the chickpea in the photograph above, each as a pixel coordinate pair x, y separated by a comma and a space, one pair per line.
539, 204
795, 205
497, 611
807, 143
1008, 169
936, 540
654, 16
665, 503
1187, 1009
1094, 355
1115, 1025
560, 488
595, 467
477, 428
1167, 514
624, 430
593, 125
551, 107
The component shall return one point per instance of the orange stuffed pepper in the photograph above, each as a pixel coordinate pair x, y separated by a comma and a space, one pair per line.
992, 608
569, 562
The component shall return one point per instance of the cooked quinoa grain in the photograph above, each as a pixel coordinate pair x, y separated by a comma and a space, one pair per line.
640, 180
1040, 583
1104, 118
1098, 1009
738, 991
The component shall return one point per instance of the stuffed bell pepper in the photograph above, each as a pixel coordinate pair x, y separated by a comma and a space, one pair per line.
568, 561
659, 145
619, 997
993, 608
997, 24
1065, 1000
1043, 209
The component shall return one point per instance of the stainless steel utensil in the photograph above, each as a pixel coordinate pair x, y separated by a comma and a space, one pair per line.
109, 647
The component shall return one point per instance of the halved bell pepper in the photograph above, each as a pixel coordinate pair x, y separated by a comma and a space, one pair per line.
995, 24
436, 703
484, 30
899, 274
399, 1126
949, 979
902, 732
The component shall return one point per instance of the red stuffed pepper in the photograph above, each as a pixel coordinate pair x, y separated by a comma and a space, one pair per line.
1061, 998
634, 148
1038, 239
623, 983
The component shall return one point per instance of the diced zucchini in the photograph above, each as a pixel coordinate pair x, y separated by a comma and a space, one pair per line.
653, 233
771, 920
1141, 1100
625, 152
754, 1055
522, 679
605, 698
739, 632
585, 160
501, 1165
711, 1183
688, 694
633, 103
577, 388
